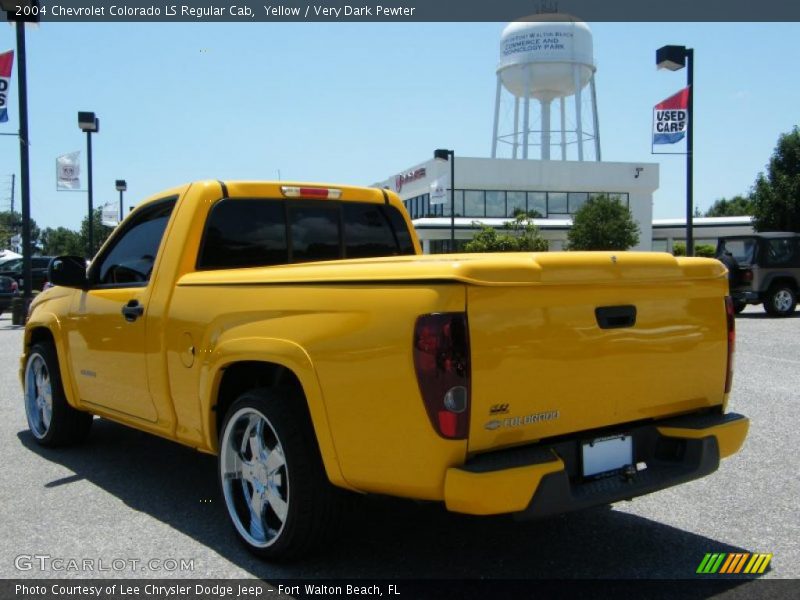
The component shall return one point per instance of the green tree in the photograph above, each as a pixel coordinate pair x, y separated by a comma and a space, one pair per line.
738, 206
707, 250
11, 225
603, 223
60, 241
776, 195
100, 232
520, 235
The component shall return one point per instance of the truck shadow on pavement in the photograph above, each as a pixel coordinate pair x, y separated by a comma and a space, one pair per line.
381, 537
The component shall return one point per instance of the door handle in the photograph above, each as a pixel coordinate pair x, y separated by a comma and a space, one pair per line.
615, 317
132, 311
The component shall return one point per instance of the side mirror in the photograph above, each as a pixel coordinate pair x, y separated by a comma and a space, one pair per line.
68, 271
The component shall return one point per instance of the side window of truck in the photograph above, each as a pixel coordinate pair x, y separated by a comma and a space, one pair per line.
130, 258
781, 252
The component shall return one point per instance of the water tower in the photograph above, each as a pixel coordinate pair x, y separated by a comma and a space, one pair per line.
547, 58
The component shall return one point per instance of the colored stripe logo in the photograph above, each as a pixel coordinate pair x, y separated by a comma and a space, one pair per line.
734, 563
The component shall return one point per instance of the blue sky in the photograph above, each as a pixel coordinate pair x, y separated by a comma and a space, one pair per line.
355, 103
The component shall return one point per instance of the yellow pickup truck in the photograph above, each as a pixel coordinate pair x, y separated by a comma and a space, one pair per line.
296, 331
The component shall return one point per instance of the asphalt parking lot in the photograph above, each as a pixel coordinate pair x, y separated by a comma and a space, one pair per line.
126, 495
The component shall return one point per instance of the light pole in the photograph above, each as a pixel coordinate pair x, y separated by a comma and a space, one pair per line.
10, 7
89, 123
450, 156
121, 187
675, 58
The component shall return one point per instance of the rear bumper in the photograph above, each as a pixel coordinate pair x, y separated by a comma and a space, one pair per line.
545, 479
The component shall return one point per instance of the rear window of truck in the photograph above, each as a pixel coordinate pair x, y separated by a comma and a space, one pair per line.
264, 232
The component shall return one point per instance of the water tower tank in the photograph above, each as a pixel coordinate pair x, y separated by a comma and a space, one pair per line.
544, 54
546, 58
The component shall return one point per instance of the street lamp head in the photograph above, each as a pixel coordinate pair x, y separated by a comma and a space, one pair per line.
88, 122
672, 58
121, 185
442, 154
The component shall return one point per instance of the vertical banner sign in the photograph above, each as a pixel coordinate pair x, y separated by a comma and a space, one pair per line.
438, 189
109, 216
68, 171
671, 118
6, 62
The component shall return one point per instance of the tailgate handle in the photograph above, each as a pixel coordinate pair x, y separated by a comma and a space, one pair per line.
615, 317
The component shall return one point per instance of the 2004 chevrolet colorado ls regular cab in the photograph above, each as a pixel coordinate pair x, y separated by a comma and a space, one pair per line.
297, 332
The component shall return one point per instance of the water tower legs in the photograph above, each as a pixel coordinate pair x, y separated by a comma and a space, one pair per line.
596, 121
563, 128
526, 112
516, 126
576, 72
496, 116
545, 102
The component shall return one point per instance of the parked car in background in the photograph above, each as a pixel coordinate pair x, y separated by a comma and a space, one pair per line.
8, 289
39, 264
765, 270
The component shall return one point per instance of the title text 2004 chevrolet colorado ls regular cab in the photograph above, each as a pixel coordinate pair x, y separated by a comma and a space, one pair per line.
297, 332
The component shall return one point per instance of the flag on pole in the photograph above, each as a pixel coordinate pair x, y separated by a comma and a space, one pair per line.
6, 62
438, 189
670, 118
68, 171
109, 216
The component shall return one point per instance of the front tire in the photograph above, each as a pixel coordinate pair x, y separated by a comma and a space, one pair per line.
277, 494
52, 421
780, 301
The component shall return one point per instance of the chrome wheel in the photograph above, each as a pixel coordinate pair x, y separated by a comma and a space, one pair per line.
783, 301
38, 395
255, 477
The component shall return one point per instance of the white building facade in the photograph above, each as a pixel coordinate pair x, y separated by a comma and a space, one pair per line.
491, 190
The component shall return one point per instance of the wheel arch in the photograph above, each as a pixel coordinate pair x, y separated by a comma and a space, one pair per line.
780, 278
243, 364
47, 329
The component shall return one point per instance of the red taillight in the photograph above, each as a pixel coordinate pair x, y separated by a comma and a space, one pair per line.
746, 275
441, 360
291, 191
730, 313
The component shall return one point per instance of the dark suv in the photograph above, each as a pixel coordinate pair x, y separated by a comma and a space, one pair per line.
765, 268
39, 264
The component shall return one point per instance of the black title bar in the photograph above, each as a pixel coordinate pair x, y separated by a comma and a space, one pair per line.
402, 10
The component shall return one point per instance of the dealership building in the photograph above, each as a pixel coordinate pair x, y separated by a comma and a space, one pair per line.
490, 190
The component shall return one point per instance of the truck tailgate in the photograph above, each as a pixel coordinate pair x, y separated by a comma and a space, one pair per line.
563, 353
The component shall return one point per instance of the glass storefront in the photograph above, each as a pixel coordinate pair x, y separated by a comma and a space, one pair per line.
501, 203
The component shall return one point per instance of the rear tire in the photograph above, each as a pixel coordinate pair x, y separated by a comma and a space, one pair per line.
52, 421
780, 301
739, 306
277, 494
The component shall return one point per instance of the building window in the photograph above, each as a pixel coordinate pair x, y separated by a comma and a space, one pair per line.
515, 203
576, 200
495, 204
538, 201
557, 203
474, 204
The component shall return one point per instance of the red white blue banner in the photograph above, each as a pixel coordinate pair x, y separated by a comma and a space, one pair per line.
671, 118
6, 62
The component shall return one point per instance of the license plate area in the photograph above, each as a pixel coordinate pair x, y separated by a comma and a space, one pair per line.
606, 455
